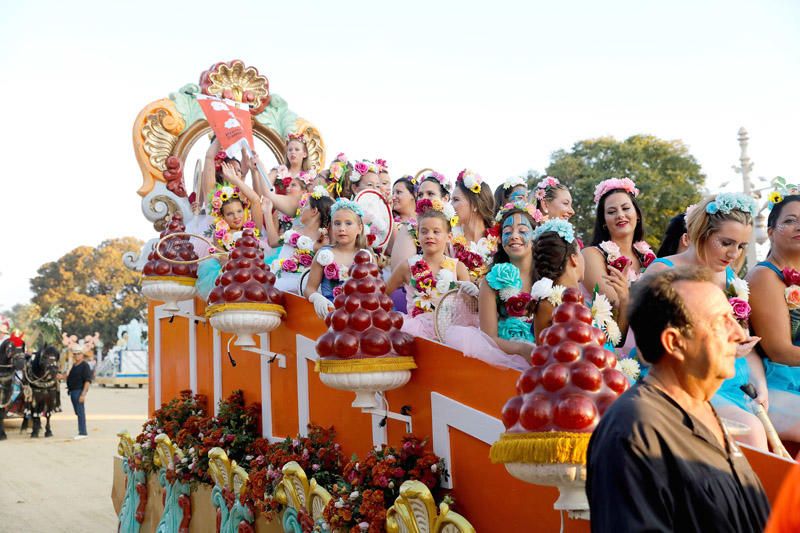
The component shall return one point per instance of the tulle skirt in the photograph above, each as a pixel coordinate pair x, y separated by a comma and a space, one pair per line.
783, 377
207, 272
420, 326
289, 282
475, 343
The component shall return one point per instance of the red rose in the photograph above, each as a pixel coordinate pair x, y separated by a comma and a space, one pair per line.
370, 239
423, 205
791, 276
518, 305
494, 231
418, 268
649, 257
620, 263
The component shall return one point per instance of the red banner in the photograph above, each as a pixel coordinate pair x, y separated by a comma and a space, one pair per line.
229, 120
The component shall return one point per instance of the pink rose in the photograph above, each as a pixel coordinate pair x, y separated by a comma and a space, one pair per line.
332, 271
337, 291
518, 305
361, 167
620, 263
741, 309
306, 260
293, 239
341, 157
249, 224
289, 265
791, 276
793, 296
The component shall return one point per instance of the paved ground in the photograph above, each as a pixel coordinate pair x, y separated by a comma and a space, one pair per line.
61, 485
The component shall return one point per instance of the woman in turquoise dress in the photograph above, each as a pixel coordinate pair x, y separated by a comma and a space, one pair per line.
718, 230
776, 314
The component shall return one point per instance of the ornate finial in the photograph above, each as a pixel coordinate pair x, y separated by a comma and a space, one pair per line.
166, 452
415, 510
125, 446
235, 81
295, 491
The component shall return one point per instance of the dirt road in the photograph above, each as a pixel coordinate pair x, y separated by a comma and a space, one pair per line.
60, 485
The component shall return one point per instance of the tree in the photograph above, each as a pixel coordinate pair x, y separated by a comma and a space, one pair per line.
23, 316
667, 175
93, 287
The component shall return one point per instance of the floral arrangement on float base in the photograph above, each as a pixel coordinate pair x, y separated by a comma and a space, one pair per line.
559, 401
244, 300
164, 280
364, 350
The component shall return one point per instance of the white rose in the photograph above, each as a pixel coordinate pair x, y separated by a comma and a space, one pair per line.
305, 243
449, 211
287, 235
324, 257
542, 289
741, 288
446, 275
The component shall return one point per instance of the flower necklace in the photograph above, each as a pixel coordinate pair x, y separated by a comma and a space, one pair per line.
791, 278
428, 290
603, 318
331, 270
476, 256
615, 258
738, 293
545, 290
516, 324
226, 238
300, 261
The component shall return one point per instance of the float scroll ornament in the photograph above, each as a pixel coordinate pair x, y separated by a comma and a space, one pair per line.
155, 132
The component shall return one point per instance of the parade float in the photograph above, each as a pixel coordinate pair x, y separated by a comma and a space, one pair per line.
276, 442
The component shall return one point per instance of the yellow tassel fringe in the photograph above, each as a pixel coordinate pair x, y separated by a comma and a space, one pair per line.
244, 306
553, 447
180, 280
374, 364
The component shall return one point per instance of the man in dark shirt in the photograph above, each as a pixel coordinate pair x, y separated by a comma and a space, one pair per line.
78, 381
660, 459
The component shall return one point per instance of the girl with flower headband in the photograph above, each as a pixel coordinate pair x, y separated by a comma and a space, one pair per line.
234, 207
505, 338
513, 189
298, 245
363, 175
429, 275
282, 202
718, 230
553, 199
775, 315
475, 239
385, 181
331, 264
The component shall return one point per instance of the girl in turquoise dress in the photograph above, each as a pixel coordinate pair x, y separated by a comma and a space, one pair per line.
718, 230
776, 314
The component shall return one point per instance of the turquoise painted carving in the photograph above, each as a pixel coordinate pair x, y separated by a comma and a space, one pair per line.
290, 522
173, 514
230, 518
278, 116
186, 103
130, 504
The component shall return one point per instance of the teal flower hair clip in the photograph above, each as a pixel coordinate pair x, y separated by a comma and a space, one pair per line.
557, 225
732, 201
344, 203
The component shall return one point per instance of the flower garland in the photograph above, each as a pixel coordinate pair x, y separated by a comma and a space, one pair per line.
471, 180
791, 278
361, 168
226, 238
605, 186
432, 174
505, 279
519, 205
558, 226
603, 318
615, 259
738, 293
476, 256
331, 270
301, 259
437, 205
732, 201
428, 290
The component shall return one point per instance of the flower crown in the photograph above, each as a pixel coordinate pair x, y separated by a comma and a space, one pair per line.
514, 181
432, 174
382, 165
306, 177
557, 225
219, 158
519, 205
732, 201
336, 171
471, 180
350, 205
224, 193
437, 205
548, 182
360, 168
782, 190
296, 137
605, 186
318, 192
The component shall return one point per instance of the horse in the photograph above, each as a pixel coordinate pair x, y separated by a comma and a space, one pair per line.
40, 375
12, 359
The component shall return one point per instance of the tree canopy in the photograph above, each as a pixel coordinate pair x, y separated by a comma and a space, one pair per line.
93, 287
667, 175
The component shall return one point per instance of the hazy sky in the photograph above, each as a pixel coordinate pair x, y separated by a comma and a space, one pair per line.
495, 86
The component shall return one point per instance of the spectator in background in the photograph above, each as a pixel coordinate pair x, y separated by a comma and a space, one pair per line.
660, 459
78, 381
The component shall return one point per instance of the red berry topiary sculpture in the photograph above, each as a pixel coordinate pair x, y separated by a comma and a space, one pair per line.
170, 273
244, 300
364, 350
559, 401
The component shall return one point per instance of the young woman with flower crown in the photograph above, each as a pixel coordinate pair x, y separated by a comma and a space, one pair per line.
475, 238
298, 246
231, 204
513, 189
505, 337
553, 199
429, 275
331, 265
385, 180
718, 230
775, 316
